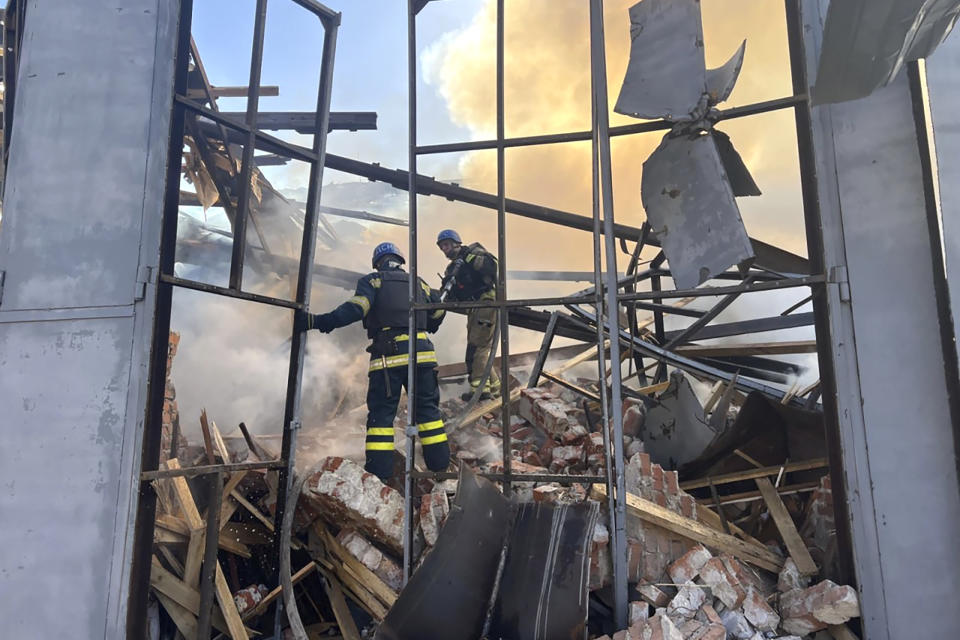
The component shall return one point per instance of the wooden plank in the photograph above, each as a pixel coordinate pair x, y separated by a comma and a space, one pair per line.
185, 621
752, 474
277, 592
712, 520
369, 579
788, 531
197, 526
187, 598
207, 438
230, 506
248, 533
841, 632
360, 594
218, 442
750, 496
688, 528
194, 558
348, 628
174, 533
174, 588
172, 560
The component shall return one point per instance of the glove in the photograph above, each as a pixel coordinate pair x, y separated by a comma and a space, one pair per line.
302, 321
323, 322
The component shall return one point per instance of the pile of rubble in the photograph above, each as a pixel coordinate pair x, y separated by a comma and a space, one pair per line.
694, 574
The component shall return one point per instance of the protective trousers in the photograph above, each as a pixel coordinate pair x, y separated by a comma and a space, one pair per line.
481, 327
382, 409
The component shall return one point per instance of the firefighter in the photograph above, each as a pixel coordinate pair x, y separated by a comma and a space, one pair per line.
382, 302
472, 275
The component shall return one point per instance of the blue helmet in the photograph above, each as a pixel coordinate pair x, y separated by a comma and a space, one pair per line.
449, 234
386, 249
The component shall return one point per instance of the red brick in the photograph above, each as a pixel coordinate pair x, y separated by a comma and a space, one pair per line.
671, 481
714, 574
812, 609
657, 475
688, 566
687, 507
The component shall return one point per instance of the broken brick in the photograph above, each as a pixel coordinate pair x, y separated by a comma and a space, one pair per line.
826, 603
760, 614
723, 585
653, 595
344, 494
434, 508
687, 602
372, 558
688, 566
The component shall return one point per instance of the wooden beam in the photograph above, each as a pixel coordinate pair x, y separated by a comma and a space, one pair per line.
370, 580
750, 496
753, 474
194, 558
178, 532
360, 594
185, 621
712, 520
186, 599
688, 528
348, 627
788, 531
196, 524
278, 591
230, 506
207, 439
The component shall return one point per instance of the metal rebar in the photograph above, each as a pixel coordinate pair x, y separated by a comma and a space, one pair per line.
599, 71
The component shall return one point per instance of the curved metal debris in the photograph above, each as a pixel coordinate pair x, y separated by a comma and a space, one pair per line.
720, 81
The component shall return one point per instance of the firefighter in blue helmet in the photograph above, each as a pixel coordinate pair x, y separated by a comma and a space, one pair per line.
472, 275
382, 301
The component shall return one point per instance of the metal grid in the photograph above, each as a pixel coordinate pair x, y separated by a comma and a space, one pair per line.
606, 294
185, 113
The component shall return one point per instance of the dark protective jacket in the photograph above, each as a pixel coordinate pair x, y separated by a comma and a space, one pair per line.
382, 302
477, 276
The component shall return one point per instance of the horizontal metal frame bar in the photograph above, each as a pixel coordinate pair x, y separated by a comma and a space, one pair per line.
514, 477
755, 325
193, 472
629, 129
626, 297
229, 293
271, 143
771, 285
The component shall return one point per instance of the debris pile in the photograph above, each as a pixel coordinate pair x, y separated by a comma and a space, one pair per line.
706, 558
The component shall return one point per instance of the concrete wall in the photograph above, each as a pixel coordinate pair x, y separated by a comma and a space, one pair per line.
79, 247
895, 425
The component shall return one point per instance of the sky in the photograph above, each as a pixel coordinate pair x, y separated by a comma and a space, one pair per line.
546, 90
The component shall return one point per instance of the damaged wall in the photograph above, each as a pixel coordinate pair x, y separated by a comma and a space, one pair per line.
81, 234
892, 395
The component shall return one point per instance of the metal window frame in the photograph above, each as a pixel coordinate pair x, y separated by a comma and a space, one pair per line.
167, 282
600, 135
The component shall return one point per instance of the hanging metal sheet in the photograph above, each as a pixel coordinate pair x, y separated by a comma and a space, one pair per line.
666, 76
448, 597
738, 175
691, 209
543, 591
720, 81
866, 42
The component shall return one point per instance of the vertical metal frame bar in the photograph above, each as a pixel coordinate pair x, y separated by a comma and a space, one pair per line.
921, 119
210, 544
503, 318
153, 420
410, 431
601, 109
246, 167
814, 233
291, 414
